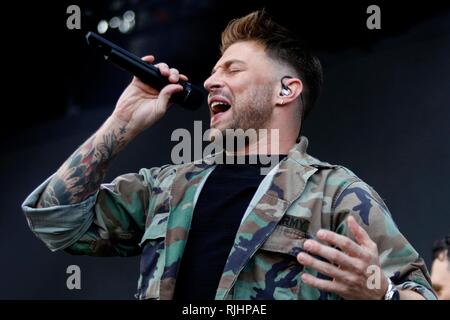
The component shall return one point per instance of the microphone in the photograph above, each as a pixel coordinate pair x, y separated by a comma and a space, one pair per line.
190, 98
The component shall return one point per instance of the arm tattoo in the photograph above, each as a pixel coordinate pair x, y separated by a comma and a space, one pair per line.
81, 175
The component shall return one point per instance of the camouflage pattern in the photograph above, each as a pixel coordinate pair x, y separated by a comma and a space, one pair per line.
150, 214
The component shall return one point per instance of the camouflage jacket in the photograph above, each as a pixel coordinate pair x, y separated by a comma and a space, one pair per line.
149, 213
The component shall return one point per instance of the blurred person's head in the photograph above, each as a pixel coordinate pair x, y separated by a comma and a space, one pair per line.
440, 270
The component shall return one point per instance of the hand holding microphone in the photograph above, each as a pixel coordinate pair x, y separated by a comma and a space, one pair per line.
147, 97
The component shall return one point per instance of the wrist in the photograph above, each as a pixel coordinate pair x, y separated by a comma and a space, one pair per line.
121, 128
112, 137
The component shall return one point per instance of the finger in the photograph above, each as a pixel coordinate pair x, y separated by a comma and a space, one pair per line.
174, 75
183, 77
142, 85
321, 266
163, 68
331, 254
361, 236
168, 91
149, 58
322, 284
344, 243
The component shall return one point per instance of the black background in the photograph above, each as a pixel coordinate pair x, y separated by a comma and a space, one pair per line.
384, 112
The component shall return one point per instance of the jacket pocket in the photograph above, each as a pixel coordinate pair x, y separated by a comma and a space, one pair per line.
273, 272
285, 240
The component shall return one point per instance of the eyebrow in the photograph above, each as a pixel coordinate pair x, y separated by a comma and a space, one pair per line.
228, 63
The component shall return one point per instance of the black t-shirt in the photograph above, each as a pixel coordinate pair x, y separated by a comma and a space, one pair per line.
217, 215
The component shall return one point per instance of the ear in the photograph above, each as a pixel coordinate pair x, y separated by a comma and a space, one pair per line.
288, 93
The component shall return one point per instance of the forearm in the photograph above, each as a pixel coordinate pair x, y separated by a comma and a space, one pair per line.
82, 173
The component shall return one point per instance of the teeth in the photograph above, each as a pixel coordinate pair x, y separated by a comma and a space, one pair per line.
216, 103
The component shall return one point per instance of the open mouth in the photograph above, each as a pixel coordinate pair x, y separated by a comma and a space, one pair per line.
219, 107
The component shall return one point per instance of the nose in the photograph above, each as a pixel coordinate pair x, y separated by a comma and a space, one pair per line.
213, 82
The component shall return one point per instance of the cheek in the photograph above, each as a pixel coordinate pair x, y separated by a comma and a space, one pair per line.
245, 85
239, 93
240, 101
250, 93
253, 91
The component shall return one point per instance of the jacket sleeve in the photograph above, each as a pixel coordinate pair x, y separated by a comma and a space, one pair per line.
399, 260
110, 222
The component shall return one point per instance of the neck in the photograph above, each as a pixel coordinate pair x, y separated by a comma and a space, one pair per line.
274, 142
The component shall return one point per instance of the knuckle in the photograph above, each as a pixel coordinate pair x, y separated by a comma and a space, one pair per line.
330, 270
366, 257
349, 279
354, 279
335, 256
347, 244
360, 269
316, 246
162, 66
320, 265
313, 281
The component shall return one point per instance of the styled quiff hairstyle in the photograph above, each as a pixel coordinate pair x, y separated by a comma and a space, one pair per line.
281, 45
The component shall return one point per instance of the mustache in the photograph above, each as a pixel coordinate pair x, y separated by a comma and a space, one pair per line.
219, 94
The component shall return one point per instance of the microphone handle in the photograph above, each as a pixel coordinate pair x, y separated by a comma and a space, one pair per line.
148, 74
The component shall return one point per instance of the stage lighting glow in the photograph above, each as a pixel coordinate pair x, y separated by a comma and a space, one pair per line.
114, 22
102, 26
126, 26
129, 15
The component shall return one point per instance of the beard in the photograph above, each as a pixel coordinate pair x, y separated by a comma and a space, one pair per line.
252, 111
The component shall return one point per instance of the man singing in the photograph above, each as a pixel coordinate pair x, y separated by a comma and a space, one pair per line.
306, 230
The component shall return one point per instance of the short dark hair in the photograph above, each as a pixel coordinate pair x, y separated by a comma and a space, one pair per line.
280, 44
442, 245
